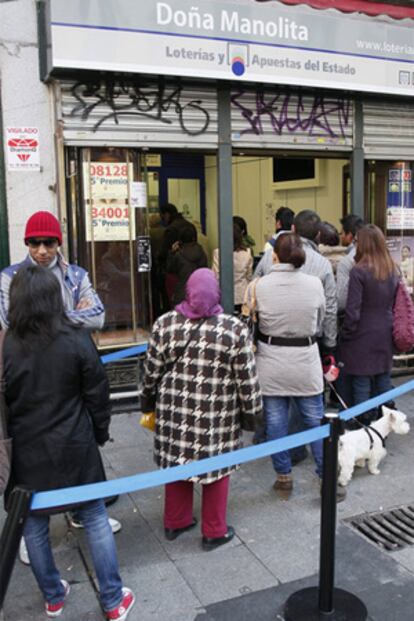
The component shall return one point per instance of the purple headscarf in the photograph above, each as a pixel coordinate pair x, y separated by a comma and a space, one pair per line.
202, 295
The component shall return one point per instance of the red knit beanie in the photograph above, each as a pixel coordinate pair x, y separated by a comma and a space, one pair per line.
43, 224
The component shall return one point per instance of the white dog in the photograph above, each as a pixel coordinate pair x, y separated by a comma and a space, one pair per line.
357, 447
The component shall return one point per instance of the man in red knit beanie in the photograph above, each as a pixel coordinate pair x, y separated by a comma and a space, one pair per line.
43, 236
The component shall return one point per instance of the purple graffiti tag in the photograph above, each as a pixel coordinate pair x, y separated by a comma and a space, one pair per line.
291, 113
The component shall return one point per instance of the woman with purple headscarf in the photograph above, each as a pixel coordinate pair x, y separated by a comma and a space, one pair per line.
200, 377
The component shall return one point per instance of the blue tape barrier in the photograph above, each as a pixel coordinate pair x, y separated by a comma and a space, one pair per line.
124, 353
145, 480
85, 493
356, 410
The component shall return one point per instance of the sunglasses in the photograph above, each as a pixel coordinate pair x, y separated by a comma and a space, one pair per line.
49, 242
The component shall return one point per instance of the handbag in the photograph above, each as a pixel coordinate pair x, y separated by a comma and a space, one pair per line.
5, 441
403, 319
248, 313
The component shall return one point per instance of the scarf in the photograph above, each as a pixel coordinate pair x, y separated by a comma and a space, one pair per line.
202, 297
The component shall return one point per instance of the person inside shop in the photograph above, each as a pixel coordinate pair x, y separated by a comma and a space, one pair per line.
185, 256
160, 303
242, 266
43, 238
329, 244
174, 222
248, 240
283, 222
59, 412
200, 377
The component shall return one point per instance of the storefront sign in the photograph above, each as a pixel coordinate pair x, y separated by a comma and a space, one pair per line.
106, 202
242, 41
22, 146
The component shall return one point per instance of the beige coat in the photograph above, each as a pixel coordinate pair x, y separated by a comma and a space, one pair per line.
242, 271
289, 304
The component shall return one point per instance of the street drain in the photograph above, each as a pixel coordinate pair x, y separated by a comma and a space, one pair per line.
390, 530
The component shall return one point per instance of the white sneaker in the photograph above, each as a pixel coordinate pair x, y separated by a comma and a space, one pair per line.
114, 524
23, 553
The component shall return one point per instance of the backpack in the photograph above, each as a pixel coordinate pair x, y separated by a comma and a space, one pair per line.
403, 319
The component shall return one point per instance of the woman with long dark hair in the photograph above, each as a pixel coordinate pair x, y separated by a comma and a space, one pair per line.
59, 412
365, 345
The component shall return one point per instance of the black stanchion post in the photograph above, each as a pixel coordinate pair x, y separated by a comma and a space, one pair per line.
19, 506
328, 515
325, 601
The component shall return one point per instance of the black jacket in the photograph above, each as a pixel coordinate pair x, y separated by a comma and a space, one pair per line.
172, 234
183, 263
59, 411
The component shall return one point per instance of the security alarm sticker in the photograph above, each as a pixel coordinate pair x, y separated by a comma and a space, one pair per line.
22, 146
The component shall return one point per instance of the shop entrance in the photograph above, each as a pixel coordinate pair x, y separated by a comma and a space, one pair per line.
114, 226
108, 235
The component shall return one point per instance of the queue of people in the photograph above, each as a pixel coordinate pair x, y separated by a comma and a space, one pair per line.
203, 376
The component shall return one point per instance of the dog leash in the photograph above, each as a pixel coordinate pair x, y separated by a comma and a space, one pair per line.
367, 428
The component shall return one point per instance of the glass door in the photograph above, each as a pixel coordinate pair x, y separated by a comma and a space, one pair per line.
391, 206
109, 222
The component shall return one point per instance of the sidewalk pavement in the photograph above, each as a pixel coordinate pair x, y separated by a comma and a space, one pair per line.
275, 552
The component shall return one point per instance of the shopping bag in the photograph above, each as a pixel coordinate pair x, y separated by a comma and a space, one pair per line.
148, 421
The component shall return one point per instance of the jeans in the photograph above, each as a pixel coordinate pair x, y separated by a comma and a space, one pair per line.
101, 546
296, 424
276, 411
366, 386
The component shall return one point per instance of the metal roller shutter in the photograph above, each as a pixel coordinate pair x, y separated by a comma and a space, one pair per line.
389, 130
144, 113
137, 113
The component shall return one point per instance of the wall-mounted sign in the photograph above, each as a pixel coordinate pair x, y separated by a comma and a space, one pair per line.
22, 148
138, 194
153, 160
402, 251
242, 41
400, 212
144, 253
106, 202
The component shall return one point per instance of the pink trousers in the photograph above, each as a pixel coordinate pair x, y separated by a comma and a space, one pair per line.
178, 506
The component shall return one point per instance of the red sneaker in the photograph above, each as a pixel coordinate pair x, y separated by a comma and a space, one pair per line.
121, 612
54, 610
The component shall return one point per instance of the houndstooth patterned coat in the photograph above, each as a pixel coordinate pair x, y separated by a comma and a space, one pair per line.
200, 389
